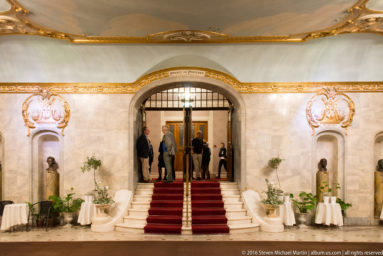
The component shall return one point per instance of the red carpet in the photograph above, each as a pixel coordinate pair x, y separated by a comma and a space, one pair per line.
165, 212
208, 212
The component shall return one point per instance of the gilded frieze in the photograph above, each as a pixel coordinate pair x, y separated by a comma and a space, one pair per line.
241, 87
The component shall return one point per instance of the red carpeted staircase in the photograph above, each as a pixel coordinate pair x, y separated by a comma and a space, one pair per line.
165, 212
208, 212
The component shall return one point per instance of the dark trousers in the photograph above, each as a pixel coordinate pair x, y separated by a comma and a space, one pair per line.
173, 170
205, 171
221, 162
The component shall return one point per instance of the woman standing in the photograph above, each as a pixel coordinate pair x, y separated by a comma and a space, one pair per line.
222, 159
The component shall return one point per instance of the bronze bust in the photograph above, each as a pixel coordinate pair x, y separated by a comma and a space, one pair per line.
322, 165
380, 165
52, 165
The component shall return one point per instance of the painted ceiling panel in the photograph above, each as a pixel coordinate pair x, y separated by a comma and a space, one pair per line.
135, 18
375, 5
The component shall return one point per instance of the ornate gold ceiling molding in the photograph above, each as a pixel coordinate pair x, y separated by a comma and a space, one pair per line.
190, 72
359, 19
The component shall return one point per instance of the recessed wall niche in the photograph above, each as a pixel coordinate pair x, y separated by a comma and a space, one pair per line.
378, 177
44, 145
330, 145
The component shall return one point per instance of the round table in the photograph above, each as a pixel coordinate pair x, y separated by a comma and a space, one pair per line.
13, 215
329, 213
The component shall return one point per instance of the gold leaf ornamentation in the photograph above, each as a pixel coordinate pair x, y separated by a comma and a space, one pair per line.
46, 109
330, 107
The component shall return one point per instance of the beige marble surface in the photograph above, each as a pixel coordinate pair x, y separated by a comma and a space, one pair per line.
275, 125
344, 234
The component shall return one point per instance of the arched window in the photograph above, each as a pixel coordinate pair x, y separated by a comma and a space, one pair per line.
177, 98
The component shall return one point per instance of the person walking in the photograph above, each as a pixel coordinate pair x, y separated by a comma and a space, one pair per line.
143, 151
222, 159
206, 161
169, 150
197, 146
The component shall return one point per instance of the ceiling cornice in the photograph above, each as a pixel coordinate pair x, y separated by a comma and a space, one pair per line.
359, 19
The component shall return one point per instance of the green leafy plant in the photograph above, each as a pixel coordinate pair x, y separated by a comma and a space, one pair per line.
67, 203
343, 205
31, 208
103, 196
272, 195
274, 164
325, 188
92, 163
306, 202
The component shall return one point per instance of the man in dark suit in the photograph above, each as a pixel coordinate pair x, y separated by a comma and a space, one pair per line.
143, 151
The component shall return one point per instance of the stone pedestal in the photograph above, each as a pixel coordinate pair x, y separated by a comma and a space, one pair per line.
321, 180
378, 202
52, 181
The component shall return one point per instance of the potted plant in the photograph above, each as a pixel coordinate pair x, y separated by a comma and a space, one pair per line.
102, 199
274, 164
343, 205
66, 205
305, 204
273, 199
92, 163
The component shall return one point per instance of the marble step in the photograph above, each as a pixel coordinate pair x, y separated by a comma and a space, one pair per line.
131, 228
239, 220
144, 191
229, 192
233, 205
243, 228
145, 185
228, 186
232, 200
232, 213
139, 220
141, 205
142, 200
138, 197
137, 212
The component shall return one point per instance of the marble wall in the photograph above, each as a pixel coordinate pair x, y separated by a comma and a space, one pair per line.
98, 125
275, 126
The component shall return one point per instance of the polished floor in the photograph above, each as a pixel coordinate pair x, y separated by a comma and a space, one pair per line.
323, 234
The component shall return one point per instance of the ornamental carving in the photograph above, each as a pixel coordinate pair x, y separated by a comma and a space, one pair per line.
46, 109
330, 107
187, 36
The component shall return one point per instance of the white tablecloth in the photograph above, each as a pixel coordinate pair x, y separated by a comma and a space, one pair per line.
88, 210
14, 214
381, 214
286, 212
329, 213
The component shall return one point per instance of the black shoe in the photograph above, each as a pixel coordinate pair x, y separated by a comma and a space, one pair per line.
159, 179
166, 181
198, 178
218, 177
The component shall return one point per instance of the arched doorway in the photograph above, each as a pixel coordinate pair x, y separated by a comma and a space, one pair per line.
216, 82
